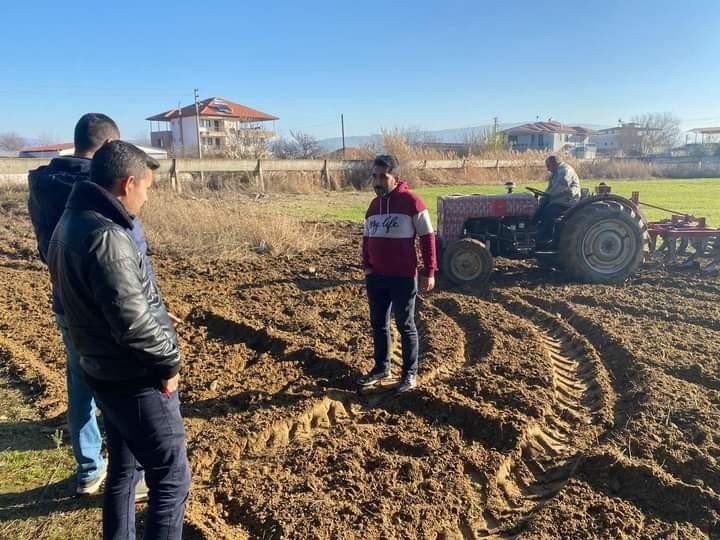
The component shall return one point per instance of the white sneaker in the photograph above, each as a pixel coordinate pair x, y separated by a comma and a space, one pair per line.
141, 490
92, 486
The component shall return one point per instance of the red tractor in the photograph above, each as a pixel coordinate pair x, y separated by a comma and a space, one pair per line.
603, 238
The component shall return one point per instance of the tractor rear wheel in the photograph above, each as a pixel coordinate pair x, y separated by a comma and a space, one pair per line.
467, 262
603, 243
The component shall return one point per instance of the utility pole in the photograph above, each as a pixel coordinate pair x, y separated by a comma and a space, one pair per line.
342, 127
197, 129
197, 124
182, 139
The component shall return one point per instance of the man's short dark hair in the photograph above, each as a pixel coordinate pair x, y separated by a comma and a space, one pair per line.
386, 160
117, 160
93, 130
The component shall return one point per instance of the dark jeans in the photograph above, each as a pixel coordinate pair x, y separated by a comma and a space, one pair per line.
545, 217
144, 425
398, 293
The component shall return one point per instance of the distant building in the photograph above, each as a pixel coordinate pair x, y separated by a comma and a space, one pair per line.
627, 139
546, 136
222, 124
47, 151
707, 135
68, 149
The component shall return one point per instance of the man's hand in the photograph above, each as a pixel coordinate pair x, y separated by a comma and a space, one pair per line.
174, 319
427, 283
170, 385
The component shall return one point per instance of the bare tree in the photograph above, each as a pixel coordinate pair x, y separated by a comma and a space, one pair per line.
307, 145
485, 142
283, 148
300, 146
662, 131
11, 141
244, 144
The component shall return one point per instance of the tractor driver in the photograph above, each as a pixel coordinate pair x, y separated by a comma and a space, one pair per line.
563, 191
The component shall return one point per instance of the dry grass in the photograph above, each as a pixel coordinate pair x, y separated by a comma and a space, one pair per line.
227, 225
613, 169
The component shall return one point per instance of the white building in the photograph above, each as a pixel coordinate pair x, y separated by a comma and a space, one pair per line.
221, 123
627, 139
547, 136
68, 149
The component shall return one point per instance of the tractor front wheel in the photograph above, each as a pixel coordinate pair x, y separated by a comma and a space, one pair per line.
467, 262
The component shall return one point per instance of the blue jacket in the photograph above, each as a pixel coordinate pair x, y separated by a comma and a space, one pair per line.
49, 188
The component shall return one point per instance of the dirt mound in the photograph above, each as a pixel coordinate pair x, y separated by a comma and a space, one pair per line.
545, 409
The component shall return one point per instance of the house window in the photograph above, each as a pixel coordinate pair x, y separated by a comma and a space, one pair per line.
532, 139
540, 140
217, 141
217, 125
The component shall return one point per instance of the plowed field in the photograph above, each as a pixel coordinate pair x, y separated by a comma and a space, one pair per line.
545, 408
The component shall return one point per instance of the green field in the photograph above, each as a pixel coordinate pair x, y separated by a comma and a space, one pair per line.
699, 197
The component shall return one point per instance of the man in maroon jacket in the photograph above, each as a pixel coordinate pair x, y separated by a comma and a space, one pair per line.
395, 217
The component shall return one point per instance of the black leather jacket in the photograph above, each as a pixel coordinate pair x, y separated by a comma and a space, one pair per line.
49, 189
116, 317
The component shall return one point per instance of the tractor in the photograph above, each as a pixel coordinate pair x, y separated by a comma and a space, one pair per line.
603, 238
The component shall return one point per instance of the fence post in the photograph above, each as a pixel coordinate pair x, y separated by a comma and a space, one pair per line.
325, 176
259, 177
174, 177
497, 168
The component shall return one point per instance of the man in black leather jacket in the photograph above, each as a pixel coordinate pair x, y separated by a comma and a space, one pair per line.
49, 189
127, 342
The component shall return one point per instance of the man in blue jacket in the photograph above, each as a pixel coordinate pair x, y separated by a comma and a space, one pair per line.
50, 187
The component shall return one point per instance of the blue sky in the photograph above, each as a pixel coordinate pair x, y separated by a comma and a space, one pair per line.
421, 64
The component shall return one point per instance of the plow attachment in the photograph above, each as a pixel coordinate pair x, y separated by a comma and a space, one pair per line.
683, 240
686, 241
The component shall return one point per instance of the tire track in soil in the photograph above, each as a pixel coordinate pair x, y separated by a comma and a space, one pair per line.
655, 492
550, 450
706, 290
644, 312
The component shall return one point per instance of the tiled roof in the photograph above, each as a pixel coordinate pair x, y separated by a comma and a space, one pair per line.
216, 106
48, 148
547, 127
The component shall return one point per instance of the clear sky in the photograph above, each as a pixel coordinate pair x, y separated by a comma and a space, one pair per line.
415, 64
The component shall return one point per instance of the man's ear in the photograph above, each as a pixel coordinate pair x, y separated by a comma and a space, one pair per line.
126, 184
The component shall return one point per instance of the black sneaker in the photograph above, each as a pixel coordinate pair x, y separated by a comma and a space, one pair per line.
373, 377
408, 383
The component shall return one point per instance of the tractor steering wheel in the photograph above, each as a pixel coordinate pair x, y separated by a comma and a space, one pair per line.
536, 192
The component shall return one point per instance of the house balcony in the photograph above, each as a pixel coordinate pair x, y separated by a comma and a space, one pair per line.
212, 132
253, 133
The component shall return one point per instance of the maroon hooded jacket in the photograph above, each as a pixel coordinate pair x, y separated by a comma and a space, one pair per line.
391, 225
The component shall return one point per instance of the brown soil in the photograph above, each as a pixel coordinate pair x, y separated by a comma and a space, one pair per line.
546, 409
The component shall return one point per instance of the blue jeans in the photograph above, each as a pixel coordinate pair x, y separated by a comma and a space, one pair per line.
82, 422
144, 425
386, 293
